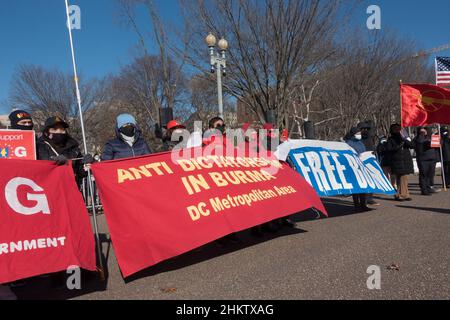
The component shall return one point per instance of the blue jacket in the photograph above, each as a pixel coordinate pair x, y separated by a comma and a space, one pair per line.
356, 144
118, 149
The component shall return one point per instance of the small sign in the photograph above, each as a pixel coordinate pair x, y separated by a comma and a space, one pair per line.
435, 141
17, 144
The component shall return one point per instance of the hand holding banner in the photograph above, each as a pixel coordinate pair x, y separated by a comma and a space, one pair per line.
157, 208
334, 168
44, 224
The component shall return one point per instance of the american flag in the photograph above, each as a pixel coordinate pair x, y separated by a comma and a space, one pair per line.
443, 71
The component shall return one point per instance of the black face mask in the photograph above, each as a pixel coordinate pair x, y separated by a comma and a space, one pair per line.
59, 138
221, 128
129, 131
20, 127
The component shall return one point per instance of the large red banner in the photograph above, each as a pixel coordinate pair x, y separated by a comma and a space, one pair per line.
158, 207
424, 104
17, 144
44, 224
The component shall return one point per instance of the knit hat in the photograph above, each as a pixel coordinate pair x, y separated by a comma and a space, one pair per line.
124, 119
17, 116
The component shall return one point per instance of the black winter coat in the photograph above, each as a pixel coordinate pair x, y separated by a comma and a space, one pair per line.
401, 160
46, 150
118, 149
423, 148
383, 155
446, 147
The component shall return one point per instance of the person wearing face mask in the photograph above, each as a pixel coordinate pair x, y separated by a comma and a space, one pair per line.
353, 139
57, 145
426, 159
445, 137
173, 136
398, 149
128, 143
21, 120
216, 127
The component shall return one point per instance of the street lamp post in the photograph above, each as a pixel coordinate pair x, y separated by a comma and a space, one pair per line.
218, 64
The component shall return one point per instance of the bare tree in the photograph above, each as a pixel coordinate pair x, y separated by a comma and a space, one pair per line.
362, 83
47, 93
273, 45
161, 82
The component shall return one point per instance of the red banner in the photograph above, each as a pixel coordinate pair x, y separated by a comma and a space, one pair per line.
424, 104
44, 224
158, 208
17, 144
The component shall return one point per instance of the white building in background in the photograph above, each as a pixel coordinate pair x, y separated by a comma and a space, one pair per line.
4, 122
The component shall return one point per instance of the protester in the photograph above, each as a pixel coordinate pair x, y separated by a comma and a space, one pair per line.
445, 137
216, 127
398, 148
353, 139
57, 145
21, 120
438, 157
385, 160
169, 141
426, 159
128, 143
367, 138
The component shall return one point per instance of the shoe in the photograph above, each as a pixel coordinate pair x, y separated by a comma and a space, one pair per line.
408, 199
288, 223
373, 203
399, 199
366, 209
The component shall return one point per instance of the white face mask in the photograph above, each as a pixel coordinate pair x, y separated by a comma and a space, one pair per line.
358, 136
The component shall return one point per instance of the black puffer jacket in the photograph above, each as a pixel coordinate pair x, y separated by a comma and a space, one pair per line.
46, 150
422, 145
118, 149
399, 155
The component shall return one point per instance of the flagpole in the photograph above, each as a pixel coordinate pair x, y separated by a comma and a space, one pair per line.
91, 188
439, 132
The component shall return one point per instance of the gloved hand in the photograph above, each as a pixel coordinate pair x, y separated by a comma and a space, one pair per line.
61, 160
88, 159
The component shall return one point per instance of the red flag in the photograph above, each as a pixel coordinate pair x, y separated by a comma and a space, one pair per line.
424, 104
44, 224
158, 208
